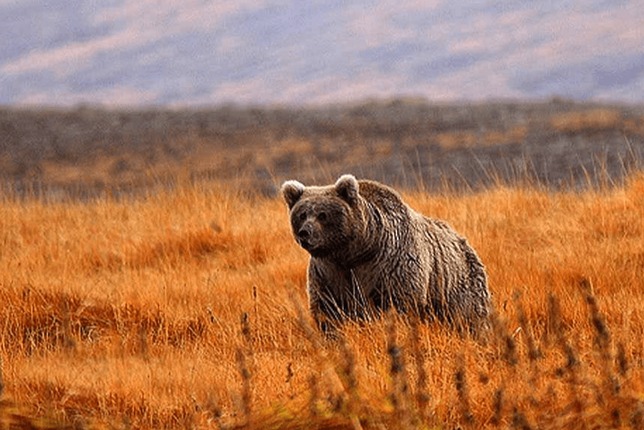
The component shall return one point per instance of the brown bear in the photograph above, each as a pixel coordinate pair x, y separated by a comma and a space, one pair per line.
370, 251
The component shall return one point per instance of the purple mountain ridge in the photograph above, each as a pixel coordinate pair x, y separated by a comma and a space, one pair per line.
192, 53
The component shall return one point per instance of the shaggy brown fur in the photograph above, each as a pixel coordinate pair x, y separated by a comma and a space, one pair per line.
370, 251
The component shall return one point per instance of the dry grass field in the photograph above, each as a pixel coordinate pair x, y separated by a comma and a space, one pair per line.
185, 308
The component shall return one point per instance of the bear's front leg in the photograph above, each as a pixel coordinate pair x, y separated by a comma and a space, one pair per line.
326, 300
324, 308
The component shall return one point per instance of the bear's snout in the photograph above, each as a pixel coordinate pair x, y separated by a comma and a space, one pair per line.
305, 236
305, 232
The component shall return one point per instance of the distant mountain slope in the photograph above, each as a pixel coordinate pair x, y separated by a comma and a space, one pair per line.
194, 52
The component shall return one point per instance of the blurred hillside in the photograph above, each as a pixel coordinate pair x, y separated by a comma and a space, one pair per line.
409, 143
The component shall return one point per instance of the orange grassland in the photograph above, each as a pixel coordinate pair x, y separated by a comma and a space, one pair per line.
186, 308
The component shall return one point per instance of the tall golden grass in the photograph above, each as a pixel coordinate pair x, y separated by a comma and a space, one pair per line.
186, 309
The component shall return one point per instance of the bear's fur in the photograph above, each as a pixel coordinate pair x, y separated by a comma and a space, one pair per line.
370, 251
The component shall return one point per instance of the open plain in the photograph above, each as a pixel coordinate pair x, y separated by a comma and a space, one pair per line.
171, 294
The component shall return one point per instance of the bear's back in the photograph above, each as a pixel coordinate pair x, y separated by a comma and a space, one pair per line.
383, 197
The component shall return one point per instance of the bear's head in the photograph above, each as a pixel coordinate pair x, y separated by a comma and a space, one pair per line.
325, 220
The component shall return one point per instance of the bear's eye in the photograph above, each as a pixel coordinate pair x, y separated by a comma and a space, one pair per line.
322, 216
303, 216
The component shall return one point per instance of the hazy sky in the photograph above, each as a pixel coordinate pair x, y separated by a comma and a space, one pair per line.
195, 52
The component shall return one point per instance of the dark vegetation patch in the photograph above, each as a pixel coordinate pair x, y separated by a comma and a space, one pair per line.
86, 151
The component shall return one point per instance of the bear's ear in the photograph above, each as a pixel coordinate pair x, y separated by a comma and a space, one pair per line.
292, 191
347, 188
